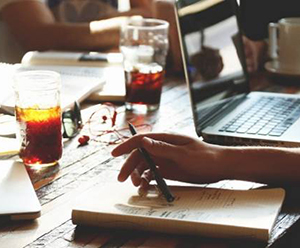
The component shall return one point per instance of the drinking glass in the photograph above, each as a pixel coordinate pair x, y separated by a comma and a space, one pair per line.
144, 45
38, 114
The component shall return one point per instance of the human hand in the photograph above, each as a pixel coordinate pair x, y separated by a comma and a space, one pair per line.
109, 24
255, 53
177, 157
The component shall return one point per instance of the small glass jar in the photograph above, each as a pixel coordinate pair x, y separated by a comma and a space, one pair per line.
38, 114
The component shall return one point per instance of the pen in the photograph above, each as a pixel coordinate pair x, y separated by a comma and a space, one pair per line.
158, 178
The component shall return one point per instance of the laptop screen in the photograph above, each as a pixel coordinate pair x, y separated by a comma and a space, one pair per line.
213, 56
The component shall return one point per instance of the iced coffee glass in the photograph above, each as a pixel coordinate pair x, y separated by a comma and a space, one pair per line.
38, 114
144, 45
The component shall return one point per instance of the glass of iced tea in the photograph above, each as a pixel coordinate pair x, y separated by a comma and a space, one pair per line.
144, 45
38, 115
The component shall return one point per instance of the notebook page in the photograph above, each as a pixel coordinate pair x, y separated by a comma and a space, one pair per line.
255, 209
77, 82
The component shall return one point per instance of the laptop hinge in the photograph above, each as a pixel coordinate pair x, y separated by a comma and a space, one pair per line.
221, 112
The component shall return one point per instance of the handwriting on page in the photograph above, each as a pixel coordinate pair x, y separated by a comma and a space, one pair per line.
193, 207
195, 210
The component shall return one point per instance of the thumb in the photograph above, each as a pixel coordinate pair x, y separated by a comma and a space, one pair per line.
161, 149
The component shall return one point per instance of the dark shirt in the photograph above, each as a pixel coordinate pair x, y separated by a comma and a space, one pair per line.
257, 14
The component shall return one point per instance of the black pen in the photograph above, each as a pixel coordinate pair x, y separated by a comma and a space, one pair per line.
163, 187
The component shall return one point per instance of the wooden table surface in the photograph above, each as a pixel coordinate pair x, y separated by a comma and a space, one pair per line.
84, 167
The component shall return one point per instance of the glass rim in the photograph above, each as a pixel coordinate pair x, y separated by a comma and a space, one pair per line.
40, 79
161, 24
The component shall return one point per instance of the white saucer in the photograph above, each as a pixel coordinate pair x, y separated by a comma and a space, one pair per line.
274, 67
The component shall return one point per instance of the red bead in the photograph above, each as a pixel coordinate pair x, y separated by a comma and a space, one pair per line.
83, 140
104, 118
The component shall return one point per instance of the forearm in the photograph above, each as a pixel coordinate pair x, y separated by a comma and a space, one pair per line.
144, 12
264, 164
68, 37
141, 3
35, 27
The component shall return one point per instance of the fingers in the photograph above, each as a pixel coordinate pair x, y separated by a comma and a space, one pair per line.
161, 149
251, 65
250, 55
135, 166
142, 180
144, 187
138, 174
136, 142
130, 165
251, 61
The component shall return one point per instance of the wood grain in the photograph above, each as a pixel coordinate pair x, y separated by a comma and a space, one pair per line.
81, 168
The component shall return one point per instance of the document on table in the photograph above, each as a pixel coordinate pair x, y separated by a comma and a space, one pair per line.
196, 210
77, 82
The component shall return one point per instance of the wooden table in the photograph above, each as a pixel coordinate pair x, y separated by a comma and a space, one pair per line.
84, 167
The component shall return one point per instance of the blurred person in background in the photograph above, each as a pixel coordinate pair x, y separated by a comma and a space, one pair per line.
72, 25
255, 16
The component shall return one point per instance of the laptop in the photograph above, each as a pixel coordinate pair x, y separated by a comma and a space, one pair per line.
224, 110
18, 199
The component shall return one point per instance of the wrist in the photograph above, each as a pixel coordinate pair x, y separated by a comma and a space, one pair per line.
223, 159
250, 163
230, 159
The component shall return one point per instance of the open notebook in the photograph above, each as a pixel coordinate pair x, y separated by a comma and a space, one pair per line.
110, 64
17, 196
77, 83
210, 212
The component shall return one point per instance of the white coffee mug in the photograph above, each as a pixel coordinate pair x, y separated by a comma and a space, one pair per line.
284, 43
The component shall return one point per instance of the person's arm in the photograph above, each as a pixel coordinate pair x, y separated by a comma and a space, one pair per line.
34, 26
141, 3
256, 53
271, 165
183, 158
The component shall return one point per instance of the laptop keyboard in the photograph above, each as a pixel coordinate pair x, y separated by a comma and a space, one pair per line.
269, 116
